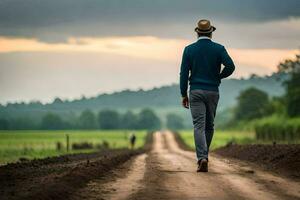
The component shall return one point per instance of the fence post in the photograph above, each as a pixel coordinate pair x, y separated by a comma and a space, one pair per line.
68, 142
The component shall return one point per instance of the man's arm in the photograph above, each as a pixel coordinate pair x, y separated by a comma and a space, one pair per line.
228, 63
184, 73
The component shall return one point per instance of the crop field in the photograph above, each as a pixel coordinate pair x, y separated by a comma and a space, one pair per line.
221, 138
39, 144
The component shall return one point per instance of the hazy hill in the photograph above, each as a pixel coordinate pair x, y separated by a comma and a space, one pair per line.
164, 99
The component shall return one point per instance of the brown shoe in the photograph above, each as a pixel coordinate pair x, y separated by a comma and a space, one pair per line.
202, 165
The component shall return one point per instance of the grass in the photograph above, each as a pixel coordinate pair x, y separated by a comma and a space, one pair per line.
39, 144
220, 138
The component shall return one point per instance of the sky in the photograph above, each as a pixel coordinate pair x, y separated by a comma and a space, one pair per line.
70, 48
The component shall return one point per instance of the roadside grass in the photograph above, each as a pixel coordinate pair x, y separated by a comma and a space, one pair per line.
220, 138
39, 144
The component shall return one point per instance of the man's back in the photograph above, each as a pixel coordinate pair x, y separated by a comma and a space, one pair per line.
203, 60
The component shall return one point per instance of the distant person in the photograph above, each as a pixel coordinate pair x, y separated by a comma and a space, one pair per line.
132, 140
201, 67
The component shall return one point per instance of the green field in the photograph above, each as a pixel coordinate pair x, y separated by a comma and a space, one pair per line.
220, 138
40, 144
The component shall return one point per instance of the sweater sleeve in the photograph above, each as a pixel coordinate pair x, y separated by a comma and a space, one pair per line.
184, 73
228, 63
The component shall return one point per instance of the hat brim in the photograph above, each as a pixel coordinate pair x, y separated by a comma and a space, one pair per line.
212, 29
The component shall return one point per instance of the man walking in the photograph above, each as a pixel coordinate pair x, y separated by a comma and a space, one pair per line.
201, 67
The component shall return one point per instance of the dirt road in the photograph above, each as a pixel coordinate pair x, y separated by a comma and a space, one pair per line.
168, 172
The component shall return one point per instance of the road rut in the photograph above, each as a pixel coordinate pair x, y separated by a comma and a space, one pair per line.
168, 172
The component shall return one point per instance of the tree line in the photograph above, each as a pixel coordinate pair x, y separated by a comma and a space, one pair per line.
104, 119
276, 118
254, 103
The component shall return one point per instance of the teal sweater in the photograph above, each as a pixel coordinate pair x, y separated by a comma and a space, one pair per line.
201, 66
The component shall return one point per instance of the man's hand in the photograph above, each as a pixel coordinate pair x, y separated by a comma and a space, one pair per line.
185, 102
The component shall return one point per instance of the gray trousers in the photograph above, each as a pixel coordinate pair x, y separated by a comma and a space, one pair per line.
203, 105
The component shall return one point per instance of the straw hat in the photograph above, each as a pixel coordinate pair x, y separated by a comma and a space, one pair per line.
204, 26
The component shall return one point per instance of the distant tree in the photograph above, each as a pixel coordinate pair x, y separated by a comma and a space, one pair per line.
33, 104
254, 76
18, 123
292, 96
129, 120
147, 119
57, 101
174, 121
87, 120
252, 103
4, 124
109, 119
83, 98
52, 122
22, 123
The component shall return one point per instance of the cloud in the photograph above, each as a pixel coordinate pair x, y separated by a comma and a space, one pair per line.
57, 20
283, 34
142, 47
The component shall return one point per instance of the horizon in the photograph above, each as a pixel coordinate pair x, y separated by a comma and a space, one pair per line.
81, 96
84, 48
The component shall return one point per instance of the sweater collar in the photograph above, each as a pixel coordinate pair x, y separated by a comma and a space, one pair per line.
204, 38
